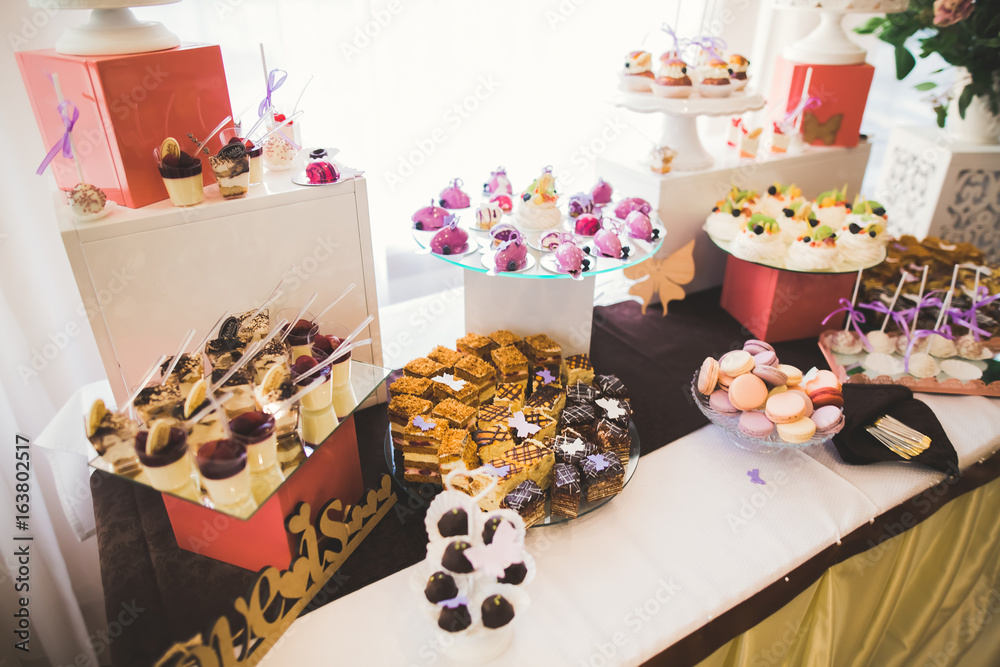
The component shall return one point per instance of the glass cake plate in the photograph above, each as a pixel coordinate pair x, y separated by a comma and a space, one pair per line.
838, 268
423, 493
730, 424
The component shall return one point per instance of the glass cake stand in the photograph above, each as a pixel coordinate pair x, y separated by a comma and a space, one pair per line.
730, 424
423, 493
292, 451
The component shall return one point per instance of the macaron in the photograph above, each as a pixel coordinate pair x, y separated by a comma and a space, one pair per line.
766, 358
771, 375
747, 392
785, 408
777, 390
822, 379
797, 432
755, 424
826, 396
754, 346
736, 363
725, 380
708, 376
719, 401
809, 404
793, 373
829, 419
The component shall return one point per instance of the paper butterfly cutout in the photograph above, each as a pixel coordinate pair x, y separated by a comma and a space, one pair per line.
574, 447
612, 407
825, 133
492, 559
453, 382
755, 476
423, 424
808, 376
493, 470
524, 429
663, 277
454, 602
546, 376
600, 463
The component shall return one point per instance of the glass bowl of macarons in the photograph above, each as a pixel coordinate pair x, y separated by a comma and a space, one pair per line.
764, 405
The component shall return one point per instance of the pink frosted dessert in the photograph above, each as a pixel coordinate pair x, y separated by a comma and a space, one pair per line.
498, 183
607, 244
504, 201
601, 193
452, 196
512, 255
579, 204
587, 225
632, 204
570, 258
639, 226
450, 239
429, 218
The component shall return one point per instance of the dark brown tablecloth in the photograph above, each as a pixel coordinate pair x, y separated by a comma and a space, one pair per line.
182, 593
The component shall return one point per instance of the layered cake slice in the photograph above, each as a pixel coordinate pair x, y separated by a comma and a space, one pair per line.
445, 356
189, 369
566, 490
456, 450
420, 444
479, 373
512, 366
456, 414
503, 338
546, 424
160, 400
528, 500
511, 395
423, 367
603, 476
447, 386
581, 394
610, 386
613, 438
509, 476
579, 369
412, 386
402, 410
617, 410
493, 415
549, 399
571, 449
580, 418
543, 353
476, 345
492, 442
535, 458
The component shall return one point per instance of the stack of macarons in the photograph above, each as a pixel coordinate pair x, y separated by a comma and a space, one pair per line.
767, 396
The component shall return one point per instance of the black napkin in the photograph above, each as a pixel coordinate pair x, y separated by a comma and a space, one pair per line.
863, 404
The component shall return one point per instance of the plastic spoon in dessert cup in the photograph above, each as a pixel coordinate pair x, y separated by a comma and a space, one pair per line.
281, 125
287, 403
248, 354
177, 356
253, 128
269, 337
218, 128
337, 354
299, 98
298, 317
208, 409
333, 303
351, 336
211, 331
142, 383
274, 295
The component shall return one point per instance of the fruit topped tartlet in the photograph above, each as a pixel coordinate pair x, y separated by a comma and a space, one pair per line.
730, 215
738, 71
814, 251
832, 207
797, 219
715, 81
673, 80
863, 237
777, 198
537, 209
759, 240
638, 72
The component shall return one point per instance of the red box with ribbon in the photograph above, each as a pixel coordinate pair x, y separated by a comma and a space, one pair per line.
836, 96
127, 105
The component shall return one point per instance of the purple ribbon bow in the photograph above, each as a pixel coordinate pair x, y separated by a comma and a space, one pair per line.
968, 318
879, 307
857, 319
944, 332
805, 104
275, 78
927, 300
63, 144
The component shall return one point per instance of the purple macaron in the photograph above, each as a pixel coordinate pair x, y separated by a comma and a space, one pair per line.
766, 358
770, 375
719, 401
829, 419
755, 425
754, 346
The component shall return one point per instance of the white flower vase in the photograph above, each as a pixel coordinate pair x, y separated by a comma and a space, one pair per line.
980, 125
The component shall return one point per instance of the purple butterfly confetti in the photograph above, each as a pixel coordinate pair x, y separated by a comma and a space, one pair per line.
546, 376
423, 424
755, 476
457, 601
600, 463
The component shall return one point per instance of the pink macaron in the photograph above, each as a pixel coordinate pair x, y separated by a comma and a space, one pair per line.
766, 358
747, 392
754, 346
708, 376
719, 401
829, 419
755, 424
809, 405
786, 407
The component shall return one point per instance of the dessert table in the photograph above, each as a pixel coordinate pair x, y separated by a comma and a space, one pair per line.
691, 555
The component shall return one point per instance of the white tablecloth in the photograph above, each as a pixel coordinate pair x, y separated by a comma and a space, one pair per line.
689, 538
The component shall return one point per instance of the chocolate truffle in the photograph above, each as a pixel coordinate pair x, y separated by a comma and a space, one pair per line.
454, 619
514, 574
497, 611
454, 557
490, 528
440, 586
455, 522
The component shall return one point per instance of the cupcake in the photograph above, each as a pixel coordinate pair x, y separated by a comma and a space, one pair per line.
730, 215
497, 183
759, 240
673, 80
862, 244
777, 198
832, 207
537, 209
738, 71
715, 82
816, 251
601, 193
637, 74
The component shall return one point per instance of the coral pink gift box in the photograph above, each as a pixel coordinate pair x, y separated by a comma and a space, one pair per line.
128, 104
840, 91
776, 305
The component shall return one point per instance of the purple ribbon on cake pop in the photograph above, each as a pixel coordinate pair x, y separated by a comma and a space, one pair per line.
805, 104
669, 29
880, 307
63, 144
711, 44
275, 78
857, 318
969, 318
944, 332
928, 300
